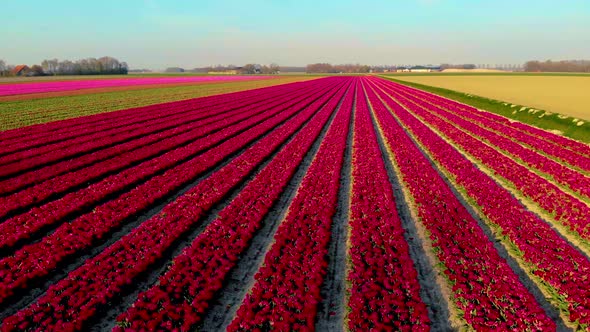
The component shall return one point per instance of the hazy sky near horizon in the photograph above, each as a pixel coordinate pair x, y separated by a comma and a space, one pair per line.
158, 33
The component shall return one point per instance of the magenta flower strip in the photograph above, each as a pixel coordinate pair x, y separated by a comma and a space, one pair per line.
41, 87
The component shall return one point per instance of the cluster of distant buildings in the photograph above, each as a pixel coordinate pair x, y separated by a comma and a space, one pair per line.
417, 69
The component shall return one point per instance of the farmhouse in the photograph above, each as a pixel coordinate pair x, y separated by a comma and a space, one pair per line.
20, 70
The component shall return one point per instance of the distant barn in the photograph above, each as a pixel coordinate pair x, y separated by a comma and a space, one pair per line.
20, 70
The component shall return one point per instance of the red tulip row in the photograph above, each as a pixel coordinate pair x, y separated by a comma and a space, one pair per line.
183, 294
489, 294
80, 234
30, 158
562, 269
70, 128
533, 160
542, 140
566, 208
23, 226
286, 292
149, 153
384, 288
75, 299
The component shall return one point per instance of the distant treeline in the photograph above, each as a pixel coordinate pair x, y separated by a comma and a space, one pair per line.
105, 65
329, 68
91, 66
573, 66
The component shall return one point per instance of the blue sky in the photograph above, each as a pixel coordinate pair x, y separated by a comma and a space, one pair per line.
157, 33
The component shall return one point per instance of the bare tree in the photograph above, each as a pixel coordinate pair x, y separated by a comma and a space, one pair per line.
248, 69
37, 70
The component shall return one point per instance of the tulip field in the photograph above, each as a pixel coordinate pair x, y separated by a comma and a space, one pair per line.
333, 204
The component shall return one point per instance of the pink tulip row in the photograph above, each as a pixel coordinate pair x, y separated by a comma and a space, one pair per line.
286, 292
147, 155
70, 238
485, 288
42, 87
550, 257
56, 131
183, 293
384, 288
561, 174
75, 299
566, 208
542, 140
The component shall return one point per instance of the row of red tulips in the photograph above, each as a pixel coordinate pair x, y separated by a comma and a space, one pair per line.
286, 292
552, 144
75, 299
565, 208
560, 173
486, 290
384, 288
140, 156
70, 238
183, 293
562, 269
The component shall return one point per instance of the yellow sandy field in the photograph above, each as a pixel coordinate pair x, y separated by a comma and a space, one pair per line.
568, 95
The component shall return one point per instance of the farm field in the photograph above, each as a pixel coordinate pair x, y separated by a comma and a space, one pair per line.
338, 203
36, 108
564, 94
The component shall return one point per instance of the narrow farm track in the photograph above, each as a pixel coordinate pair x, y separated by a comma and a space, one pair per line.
340, 204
